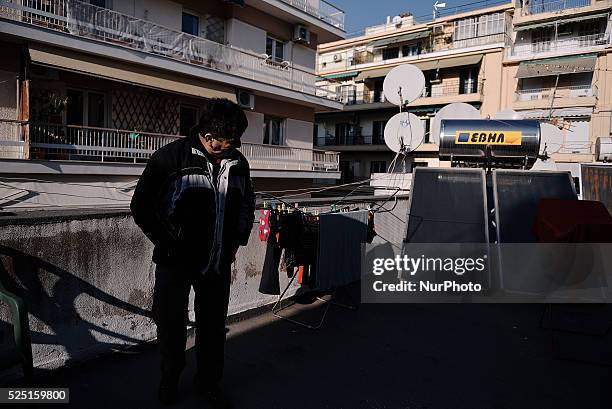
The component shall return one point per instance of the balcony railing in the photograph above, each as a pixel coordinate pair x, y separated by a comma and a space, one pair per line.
12, 139
354, 140
85, 20
445, 89
535, 94
80, 143
551, 6
560, 45
352, 59
321, 9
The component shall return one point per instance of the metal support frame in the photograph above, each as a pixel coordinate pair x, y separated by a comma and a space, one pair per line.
276, 310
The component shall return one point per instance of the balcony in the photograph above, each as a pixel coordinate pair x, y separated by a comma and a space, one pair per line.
548, 6
539, 94
352, 60
87, 21
321, 9
450, 89
79, 143
354, 140
546, 48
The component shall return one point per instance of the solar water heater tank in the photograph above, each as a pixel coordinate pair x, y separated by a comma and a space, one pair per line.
506, 143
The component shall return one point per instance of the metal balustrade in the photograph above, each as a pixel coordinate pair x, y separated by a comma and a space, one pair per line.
70, 142
529, 49
443, 89
350, 59
547, 6
321, 9
12, 134
535, 94
85, 20
354, 140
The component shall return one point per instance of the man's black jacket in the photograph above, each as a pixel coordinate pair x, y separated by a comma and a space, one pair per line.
193, 221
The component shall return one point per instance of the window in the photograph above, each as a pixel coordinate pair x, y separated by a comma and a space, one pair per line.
100, 3
348, 94
86, 108
188, 119
273, 131
347, 169
390, 53
275, 49
411, 50
378, 132
315, 134
378, 91
214, 29
471, 27
343, 133
378, 166
191, 24
468, 80
541, 39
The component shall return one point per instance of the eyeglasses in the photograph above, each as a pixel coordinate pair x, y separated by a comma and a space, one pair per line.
233, 142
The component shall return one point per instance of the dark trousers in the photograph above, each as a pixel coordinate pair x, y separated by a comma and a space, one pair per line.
170, 305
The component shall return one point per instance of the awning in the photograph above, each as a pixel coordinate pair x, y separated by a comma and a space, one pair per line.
557, 113
380, 72
449, 62
399, 39
130, 73
425, 66
341, 75
560, 20
557, 66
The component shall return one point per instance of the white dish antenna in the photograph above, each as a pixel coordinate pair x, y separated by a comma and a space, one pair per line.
551, 138
457, 110
403, 84
404, 132
547, 164
508, 114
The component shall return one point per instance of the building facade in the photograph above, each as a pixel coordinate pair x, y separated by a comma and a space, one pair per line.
546, 60
94, 87
557, 70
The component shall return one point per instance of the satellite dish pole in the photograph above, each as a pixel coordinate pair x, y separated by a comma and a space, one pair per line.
435, 8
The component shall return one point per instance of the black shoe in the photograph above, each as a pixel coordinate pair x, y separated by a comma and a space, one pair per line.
168, 388
212, 393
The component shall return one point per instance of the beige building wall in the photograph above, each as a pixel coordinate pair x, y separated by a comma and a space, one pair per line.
491, 72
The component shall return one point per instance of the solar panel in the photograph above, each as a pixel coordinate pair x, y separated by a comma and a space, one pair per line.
447, 205
516, 195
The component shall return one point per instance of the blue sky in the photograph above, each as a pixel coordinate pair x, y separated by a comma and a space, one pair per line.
363, 13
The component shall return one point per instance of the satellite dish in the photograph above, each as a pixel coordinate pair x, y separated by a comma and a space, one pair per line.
404, 132
547, 164
508, 114
457, 110
405, 80
397, 20
551, 138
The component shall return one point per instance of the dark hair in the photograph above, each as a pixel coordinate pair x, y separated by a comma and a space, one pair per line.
222, 118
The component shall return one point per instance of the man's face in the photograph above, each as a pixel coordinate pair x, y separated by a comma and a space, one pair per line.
219, 148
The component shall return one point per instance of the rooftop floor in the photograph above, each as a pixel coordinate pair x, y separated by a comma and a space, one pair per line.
405, 356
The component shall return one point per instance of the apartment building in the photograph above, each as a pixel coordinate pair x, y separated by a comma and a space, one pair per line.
461, 56
89, 89
557, 70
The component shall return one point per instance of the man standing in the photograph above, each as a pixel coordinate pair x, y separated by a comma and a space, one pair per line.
195, 202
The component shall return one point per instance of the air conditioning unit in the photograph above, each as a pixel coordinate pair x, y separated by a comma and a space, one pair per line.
337, 57
301, 34
245, 99
439, 29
